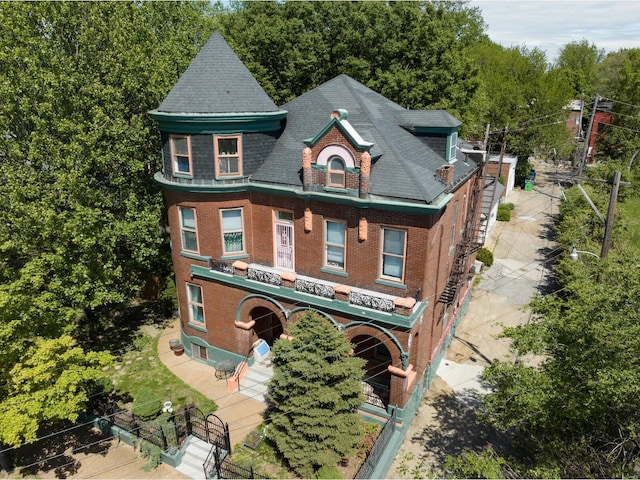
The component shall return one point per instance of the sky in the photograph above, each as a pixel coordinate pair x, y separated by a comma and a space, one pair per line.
550, 25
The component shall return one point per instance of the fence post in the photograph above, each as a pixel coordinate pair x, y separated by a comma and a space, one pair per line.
227, 438
187, 419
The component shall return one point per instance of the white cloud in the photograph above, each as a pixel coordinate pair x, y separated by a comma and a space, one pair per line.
550, 25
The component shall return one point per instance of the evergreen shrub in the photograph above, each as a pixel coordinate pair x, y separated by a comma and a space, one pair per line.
485, 256
504, 213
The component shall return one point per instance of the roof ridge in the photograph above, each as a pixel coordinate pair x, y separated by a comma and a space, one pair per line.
400, 159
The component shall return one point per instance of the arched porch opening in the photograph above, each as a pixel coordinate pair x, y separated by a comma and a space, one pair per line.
376, 383
268, 325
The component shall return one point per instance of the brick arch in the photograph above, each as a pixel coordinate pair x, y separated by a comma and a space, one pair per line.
336, 150
298, 311
250, 302
380, 334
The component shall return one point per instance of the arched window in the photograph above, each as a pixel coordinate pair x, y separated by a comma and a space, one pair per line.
336, 172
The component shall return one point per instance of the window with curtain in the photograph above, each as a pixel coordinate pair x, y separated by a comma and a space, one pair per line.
232, 231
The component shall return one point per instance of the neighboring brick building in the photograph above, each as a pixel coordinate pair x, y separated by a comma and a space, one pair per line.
340, 201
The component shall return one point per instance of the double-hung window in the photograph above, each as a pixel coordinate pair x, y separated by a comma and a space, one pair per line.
196, 306
188, 229
228, 153
393, 254
336, 173
232, 231
334, 244
181, 154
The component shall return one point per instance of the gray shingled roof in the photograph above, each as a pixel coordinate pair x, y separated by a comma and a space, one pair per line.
404, 166
216, 82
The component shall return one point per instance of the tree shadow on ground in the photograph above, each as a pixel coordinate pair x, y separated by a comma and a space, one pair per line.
115, 328
60, 452
456, 429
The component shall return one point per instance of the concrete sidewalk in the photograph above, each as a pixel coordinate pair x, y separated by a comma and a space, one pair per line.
446, 420
243, 414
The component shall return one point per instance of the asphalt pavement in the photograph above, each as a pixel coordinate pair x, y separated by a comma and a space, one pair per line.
523, 249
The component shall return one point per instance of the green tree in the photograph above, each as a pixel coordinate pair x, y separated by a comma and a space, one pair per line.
79, 212
580, 60
315, 390
53, 383
519, 92
412, 52
571, 410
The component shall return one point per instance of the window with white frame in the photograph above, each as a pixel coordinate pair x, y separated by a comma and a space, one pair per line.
232, 231
334, 244
188, 229
453, 146
336, 173
181, 153
196, 307
228, 153
393, 253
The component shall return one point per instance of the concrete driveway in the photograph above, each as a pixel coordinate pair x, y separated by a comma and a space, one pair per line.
523, 251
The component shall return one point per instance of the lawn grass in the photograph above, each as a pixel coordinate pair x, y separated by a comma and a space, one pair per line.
140, 368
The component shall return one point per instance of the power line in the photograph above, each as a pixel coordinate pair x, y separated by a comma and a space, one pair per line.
380, 333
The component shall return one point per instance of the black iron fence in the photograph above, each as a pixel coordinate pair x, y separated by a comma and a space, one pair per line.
167, 434
231, 471
369, 465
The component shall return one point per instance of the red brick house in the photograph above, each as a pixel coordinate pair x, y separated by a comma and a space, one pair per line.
340, 201
603, 117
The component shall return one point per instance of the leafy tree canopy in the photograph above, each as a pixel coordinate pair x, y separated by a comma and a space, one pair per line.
79, 213
580, 60
53, 383
411, 52
315, 389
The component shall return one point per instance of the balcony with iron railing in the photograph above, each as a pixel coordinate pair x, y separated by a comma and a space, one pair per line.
397, 311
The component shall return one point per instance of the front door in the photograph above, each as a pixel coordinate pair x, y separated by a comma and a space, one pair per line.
283, 240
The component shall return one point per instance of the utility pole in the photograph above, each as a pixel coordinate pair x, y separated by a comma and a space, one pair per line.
608, 221
608, 225
587, 138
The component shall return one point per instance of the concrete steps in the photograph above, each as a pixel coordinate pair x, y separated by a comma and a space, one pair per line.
193, 459
253, 382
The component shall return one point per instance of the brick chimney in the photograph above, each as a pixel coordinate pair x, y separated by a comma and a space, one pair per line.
446, 173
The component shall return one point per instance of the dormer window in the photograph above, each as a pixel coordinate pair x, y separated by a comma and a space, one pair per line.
336, 173
453, 145
181, 154
228, 153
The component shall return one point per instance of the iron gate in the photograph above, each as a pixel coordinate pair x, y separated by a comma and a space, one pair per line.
218, 432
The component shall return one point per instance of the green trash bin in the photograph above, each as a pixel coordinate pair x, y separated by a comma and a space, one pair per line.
528, 185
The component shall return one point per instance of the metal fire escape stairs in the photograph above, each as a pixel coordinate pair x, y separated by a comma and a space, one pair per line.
472, 240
